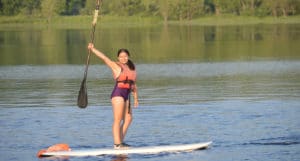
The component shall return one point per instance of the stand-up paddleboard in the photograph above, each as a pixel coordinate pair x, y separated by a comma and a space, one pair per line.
132, 150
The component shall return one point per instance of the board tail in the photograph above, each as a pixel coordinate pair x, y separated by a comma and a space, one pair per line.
54, 148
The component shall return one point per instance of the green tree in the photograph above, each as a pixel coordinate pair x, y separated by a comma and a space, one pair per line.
126, 7
11, 7
217, 6
31, 7
233, 7
135, 7
152, 8
73, 7
227, 7
194, 8
1, 7
287, 7
249, 7
50, 8
188, 9
209, 7
281, 7
89, 7
164, 9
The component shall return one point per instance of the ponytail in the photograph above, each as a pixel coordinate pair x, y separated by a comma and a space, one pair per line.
130, 65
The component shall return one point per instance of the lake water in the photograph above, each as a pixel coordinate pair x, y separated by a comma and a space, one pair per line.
240, 90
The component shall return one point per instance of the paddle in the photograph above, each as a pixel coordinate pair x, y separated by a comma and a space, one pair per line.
82, 100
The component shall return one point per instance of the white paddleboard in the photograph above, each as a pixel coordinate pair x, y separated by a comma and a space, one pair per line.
132, 150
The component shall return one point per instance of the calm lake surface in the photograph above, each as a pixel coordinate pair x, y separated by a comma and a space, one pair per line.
238, 86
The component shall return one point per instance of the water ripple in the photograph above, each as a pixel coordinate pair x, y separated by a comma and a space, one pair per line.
292, 140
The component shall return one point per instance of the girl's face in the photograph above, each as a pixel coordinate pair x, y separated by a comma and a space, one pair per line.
123, 58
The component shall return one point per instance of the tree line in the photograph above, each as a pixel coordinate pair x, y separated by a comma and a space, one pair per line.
166, 9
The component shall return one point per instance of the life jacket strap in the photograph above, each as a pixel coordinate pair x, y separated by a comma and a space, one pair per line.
127, 81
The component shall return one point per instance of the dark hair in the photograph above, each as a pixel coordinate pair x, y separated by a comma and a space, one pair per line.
129, 63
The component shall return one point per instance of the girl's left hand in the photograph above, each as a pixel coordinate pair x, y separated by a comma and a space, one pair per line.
136, 103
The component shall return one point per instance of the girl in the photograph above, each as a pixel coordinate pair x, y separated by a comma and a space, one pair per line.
125, 75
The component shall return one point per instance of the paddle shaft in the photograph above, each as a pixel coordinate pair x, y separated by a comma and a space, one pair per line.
82, 99
92, 36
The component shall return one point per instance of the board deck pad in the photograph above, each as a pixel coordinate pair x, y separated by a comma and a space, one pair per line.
132, 150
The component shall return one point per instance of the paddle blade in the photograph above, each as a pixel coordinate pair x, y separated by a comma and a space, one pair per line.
82, 100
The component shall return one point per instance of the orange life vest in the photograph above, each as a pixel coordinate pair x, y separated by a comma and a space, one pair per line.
126, 78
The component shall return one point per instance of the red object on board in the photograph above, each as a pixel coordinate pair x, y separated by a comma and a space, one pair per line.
54, 148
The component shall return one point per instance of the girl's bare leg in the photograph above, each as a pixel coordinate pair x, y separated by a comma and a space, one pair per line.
118, 105
127, 121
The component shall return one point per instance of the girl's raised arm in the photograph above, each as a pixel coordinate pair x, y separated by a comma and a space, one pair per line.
113, 65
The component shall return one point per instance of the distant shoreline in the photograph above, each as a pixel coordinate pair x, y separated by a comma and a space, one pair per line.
84, 22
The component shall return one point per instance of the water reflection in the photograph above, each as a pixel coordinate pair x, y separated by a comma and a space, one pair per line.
249, 33
153, 44
120, 158
177, 83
